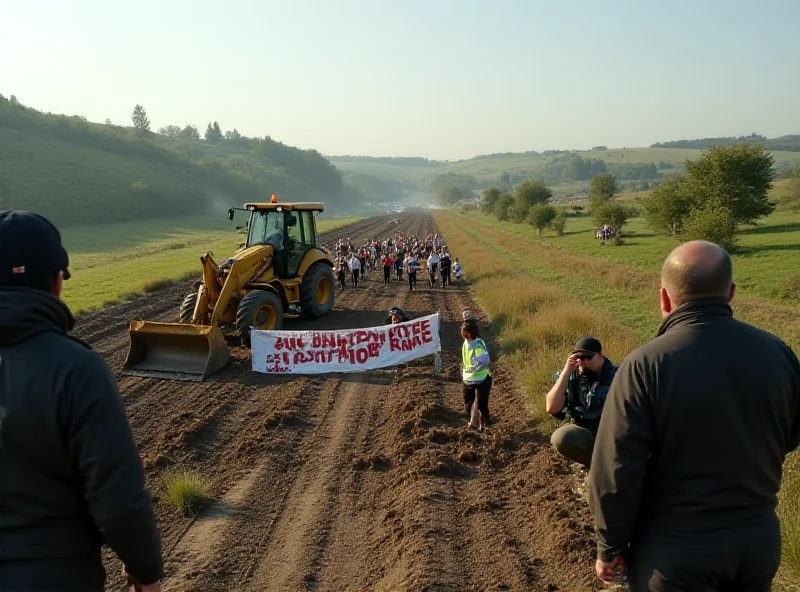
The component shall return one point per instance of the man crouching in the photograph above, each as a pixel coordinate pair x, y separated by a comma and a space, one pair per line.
579, 394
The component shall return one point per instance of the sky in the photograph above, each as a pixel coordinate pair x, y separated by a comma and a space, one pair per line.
443, 79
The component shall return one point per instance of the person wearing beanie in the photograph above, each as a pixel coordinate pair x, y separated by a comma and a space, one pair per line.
72, 479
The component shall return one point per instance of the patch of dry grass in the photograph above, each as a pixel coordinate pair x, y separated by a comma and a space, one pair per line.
187, 492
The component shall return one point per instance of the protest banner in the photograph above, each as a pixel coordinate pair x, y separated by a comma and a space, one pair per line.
345, 350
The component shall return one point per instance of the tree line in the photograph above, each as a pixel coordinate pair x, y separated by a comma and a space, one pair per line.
790, 143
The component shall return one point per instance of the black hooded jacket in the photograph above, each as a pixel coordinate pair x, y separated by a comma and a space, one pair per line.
70, 475
695, 430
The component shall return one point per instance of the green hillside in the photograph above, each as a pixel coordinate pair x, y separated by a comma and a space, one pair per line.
78, 172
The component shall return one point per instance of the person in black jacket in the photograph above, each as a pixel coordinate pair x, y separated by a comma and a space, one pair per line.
71, 477
689, 455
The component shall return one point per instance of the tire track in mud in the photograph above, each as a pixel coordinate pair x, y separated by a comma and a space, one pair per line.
360, 482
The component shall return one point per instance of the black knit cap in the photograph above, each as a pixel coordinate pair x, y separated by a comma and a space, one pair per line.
587, 345
30, 250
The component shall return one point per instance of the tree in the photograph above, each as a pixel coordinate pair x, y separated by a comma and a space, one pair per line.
668, 206
140, 121
108, 121
560, 222
450, 194
541, 216
233, 135
736, 178
213, 133
503, 206
712, 222
527, 195
505, 181
534, 192
190, 132
489, 199
602, 188
171, 131
615, 215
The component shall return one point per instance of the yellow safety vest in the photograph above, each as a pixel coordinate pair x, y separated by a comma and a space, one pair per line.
478, 348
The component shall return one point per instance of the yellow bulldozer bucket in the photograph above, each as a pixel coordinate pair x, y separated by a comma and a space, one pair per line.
175, 351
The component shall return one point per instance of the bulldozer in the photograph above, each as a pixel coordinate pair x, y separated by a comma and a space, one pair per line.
280, 270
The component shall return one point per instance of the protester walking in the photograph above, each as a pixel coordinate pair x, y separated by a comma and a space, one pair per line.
476, 375
412, 267
433, 268
444, 264
72, 479
355, 268
689, 454
341, 273
457, 269
387, 269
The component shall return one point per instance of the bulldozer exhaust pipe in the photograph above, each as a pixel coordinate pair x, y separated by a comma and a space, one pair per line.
175, 351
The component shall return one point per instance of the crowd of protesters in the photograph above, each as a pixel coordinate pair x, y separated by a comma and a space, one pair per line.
399, 258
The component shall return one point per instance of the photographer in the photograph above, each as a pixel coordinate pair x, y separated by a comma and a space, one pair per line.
579, 395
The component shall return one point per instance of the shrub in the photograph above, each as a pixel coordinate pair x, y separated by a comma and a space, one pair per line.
541, 216
559, 223
187, 492
712, 223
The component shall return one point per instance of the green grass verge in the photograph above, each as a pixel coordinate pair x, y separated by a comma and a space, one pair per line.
766, 266
608, 275
114, 261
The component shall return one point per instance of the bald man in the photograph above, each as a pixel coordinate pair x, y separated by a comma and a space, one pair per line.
688, 457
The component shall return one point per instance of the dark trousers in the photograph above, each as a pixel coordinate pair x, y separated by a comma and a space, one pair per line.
744, 558
355, 278
342, 278
70, 574
445, 276
481, 390
412, 279
387, 273
575, 442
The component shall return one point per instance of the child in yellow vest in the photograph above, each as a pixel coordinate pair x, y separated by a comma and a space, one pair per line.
475, 374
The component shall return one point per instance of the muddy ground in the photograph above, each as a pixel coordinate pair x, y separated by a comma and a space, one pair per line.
352, 482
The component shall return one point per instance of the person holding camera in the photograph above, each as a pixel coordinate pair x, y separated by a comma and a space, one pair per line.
578, 395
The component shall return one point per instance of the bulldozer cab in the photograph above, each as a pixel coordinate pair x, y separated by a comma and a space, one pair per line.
292, 233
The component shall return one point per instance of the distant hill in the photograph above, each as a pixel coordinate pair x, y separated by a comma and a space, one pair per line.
566, 171
78, 172
784, 143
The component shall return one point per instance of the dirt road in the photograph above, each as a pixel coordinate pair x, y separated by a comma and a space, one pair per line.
352, 482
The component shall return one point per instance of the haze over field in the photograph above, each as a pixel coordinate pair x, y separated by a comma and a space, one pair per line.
433, 78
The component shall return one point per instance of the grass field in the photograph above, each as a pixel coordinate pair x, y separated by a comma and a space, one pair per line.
114, 261
543, 292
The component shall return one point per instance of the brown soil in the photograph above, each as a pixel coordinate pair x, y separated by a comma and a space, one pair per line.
352, 482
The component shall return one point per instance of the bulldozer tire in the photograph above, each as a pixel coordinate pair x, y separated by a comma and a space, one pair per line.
317, 291
187, 308
260, 309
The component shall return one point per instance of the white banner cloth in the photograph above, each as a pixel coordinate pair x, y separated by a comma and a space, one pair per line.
346, 350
